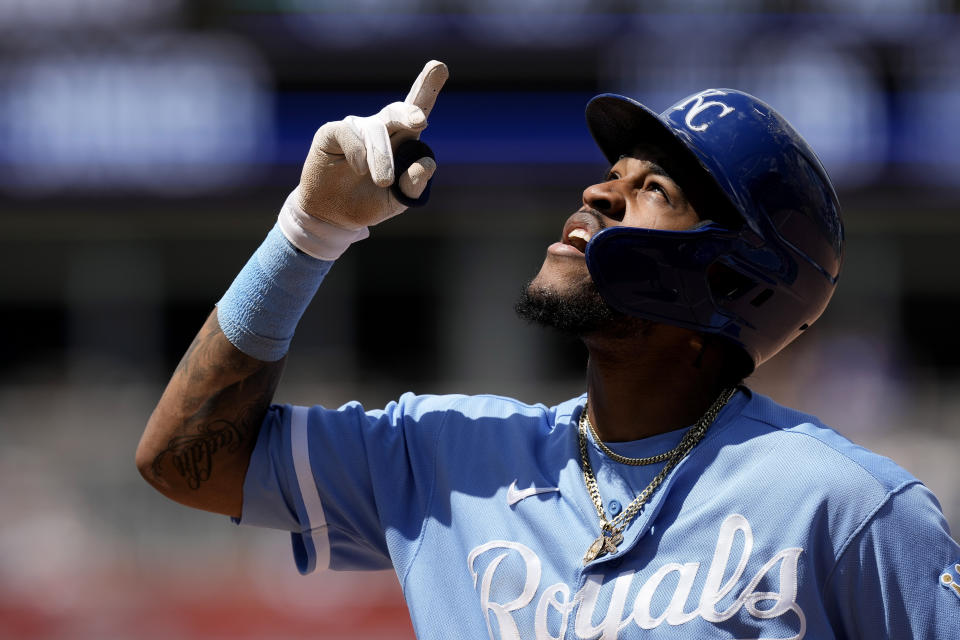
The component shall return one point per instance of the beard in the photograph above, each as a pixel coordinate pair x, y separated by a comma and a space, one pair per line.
579, 312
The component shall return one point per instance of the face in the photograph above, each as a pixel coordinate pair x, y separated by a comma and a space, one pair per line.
637, 192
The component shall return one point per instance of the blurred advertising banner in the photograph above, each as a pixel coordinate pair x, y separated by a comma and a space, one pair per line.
168, 114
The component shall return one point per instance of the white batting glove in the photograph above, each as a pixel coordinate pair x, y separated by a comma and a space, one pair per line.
345, 184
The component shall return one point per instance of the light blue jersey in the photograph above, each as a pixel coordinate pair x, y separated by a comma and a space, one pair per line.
774, 526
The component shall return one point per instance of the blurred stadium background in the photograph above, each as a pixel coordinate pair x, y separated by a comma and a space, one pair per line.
146, 146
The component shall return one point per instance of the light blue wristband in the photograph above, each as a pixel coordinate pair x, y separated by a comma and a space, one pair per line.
260, 311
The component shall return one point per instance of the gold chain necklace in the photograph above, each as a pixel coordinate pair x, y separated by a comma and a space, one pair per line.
616, 457
611, 531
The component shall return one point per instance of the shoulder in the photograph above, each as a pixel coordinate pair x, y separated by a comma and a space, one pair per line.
460, 408
801, 478
413, 412
805, 438
774, 460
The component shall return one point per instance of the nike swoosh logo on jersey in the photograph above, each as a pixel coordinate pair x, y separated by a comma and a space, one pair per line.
515, 495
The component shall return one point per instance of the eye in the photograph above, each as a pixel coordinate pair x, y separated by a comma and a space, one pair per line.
611, 175
658, 188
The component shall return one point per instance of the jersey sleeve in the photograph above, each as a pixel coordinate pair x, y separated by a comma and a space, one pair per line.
898, 576
352, 486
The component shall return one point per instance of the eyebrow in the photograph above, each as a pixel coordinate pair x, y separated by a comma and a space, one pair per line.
657, 170
653, 167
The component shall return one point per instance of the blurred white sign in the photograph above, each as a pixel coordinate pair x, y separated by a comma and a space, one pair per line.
81, 14
176, 114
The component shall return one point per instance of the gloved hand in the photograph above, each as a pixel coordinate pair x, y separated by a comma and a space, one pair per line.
345, 184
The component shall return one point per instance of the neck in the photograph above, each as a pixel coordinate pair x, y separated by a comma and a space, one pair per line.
642, 386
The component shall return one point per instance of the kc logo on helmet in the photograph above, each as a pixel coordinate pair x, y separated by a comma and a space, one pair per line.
702, 106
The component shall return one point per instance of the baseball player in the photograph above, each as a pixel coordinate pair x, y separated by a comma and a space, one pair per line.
669, 500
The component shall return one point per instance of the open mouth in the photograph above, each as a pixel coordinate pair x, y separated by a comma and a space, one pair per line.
577, 232
578, 238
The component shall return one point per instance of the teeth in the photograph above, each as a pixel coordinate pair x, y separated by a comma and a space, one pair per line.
579, 233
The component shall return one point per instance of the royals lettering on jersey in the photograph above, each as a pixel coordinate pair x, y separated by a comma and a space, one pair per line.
719, 582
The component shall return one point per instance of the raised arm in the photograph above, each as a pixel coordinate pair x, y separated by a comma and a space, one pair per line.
197, 444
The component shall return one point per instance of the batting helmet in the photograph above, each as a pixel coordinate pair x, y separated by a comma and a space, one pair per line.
764, 261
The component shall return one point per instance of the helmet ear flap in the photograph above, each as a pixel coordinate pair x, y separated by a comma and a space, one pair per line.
727, 284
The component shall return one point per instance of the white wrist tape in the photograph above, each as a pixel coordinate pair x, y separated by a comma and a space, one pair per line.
313, 236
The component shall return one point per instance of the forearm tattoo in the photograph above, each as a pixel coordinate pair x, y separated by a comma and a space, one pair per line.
227, 417
192, 455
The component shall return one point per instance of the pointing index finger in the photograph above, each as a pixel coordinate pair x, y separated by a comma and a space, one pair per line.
425, 88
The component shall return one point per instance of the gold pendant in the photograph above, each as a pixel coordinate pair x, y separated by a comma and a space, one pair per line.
595, 550
602, 546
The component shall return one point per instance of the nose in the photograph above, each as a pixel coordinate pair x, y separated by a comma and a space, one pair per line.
605, 198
